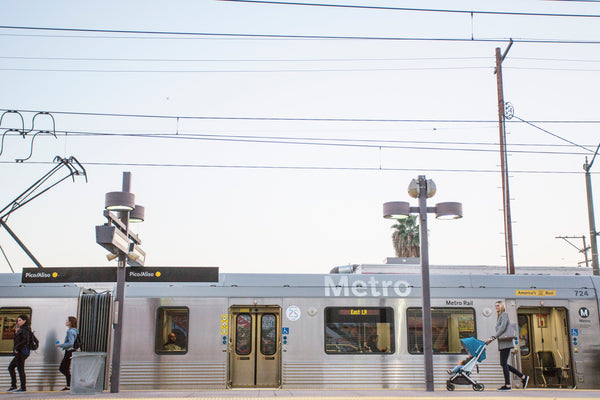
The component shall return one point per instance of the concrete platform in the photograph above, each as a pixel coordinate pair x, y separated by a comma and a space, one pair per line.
256, 394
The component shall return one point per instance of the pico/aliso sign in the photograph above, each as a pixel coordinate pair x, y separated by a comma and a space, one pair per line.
109, 274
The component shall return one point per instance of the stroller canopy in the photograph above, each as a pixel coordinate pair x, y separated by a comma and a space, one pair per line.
475, 347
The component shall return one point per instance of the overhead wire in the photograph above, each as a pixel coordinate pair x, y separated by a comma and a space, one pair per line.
411, 9
307, 37
298, 119
308, 168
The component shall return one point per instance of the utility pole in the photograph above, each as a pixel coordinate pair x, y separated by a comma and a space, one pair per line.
584, 250
508, 242
590, 204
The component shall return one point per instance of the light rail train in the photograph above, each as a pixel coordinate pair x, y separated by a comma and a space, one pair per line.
336, 330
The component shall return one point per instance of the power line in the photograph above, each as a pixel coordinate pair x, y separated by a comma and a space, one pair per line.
298, 119
554, 135
327, 142
307, 168
380, 144
435, 10
219, 71
224, 60
278, 60
308, 37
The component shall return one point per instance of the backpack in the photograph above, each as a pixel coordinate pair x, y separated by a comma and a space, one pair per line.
34, 343
78, 342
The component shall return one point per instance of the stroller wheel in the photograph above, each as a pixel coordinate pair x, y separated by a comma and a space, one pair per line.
449, 386
478, 387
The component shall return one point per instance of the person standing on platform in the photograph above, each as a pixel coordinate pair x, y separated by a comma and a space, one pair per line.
67, 346
21, 351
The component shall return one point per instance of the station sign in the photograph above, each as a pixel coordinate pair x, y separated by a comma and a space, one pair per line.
109, 274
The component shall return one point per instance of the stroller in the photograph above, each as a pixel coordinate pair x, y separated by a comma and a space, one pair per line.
463, 376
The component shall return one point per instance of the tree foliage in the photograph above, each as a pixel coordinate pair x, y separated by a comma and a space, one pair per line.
406, 237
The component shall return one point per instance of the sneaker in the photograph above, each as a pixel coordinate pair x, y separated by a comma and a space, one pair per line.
504, 387
65, 388
12, 389
450, 371
20, 390
525, 381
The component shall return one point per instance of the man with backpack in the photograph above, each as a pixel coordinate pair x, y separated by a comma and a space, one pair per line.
72, 342
21, 349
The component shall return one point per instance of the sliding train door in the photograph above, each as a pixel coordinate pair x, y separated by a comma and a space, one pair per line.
254, 347
544, 346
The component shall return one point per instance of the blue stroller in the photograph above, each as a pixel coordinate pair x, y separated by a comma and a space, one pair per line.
462, 374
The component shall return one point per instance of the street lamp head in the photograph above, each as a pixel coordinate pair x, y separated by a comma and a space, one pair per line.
448, 210
414, 188
396, 210
119, 201
137, 214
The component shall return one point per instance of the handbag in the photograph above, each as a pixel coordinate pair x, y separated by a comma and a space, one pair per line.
509, 333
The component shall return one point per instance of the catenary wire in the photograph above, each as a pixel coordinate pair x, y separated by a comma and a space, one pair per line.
307, 37
435, 10
308, 168
295, 119
322, 142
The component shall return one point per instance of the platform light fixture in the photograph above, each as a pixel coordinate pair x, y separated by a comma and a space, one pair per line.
123, 244
423, 189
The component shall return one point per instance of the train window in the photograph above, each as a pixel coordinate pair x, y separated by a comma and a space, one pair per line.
268, 334
359, 330
243, 334
8, 323
172, 325
524, 334
448, 326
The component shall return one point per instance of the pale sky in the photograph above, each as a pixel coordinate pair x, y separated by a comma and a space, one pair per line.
286, 148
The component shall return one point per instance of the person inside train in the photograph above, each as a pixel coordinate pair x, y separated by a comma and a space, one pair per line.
22, 339
372, 344
171, 344
67, 346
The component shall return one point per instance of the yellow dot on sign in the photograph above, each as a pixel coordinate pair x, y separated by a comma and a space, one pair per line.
54, 274
157, 274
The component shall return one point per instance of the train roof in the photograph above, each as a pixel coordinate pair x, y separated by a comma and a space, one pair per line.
365, 280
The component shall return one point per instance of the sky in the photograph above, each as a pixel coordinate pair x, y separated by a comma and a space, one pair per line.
266, 137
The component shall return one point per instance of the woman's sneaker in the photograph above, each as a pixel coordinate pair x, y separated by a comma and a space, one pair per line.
504, 387
11, 389
525, 381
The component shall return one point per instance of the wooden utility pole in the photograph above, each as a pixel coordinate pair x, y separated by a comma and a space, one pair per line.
508, 242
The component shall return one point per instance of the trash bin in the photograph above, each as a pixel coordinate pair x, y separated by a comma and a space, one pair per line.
87, 374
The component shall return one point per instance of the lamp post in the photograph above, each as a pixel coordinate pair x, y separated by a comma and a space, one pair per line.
422, 189
120, 242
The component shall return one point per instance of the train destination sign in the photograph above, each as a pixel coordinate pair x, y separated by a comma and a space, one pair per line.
109, 274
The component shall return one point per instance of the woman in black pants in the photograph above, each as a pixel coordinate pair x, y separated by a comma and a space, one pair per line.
21, 352
67, 346
505, 346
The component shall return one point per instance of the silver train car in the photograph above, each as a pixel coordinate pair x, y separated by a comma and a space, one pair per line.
337, 330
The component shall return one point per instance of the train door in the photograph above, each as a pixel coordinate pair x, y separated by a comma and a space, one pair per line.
544, 346
254, 347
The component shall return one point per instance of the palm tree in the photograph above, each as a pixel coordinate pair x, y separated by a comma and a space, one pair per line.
406, 237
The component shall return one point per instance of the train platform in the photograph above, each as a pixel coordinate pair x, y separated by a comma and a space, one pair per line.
334, 394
